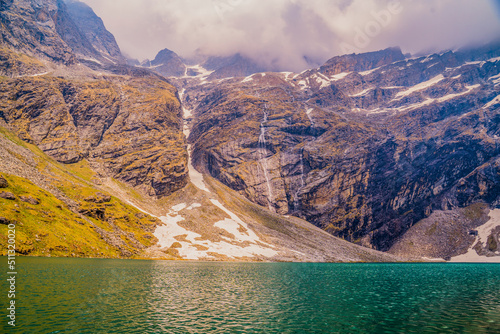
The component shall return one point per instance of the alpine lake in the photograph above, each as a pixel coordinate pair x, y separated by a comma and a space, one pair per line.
68, 295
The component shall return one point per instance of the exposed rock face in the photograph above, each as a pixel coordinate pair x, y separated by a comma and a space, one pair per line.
3, 182
17, 64
232, 66
365, 153
7, 195
129, 127
361, 62
30, 200
51, 30
4, 221
94, 30
441, 234
167, 63
31, 27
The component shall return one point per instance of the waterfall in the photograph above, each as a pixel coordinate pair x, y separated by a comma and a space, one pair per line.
296, 202
308, 114
263, 158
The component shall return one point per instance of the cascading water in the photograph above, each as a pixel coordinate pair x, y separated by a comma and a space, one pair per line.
296, 203
263, 158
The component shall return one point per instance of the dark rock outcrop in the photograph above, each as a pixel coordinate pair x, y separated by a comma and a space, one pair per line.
5, 221
7, 195
167, 63
364, 147
30, 200
3, 182
94, 30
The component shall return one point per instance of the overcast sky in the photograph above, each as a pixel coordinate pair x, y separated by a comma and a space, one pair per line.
287, 32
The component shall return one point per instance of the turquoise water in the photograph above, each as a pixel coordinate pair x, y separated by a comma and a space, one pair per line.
128, 296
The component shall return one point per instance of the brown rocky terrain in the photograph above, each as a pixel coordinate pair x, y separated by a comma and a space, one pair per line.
129, 127
393, 153
55, 31
364, 153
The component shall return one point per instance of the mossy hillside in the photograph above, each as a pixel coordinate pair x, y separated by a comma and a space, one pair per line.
50, 227
74, 220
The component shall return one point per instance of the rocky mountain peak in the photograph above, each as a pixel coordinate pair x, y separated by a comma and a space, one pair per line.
232, 66
31, 27
94, 30
167, 63
56, 30
361, 62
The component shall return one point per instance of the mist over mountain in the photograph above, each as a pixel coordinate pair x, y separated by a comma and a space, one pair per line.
291, 35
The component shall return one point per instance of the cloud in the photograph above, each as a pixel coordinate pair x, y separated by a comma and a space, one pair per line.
290, 34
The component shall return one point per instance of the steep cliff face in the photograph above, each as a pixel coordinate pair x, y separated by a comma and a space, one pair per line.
94, 30
364, 147
56, 31
32, 27
129, 127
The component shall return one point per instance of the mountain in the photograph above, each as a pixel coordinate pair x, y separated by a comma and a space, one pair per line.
223, 161
361, 62
364, 147
94, 161
167, 63
33, 28
231, 66
57, 31
94, 30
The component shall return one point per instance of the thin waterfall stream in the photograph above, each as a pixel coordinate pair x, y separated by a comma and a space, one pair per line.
263, 157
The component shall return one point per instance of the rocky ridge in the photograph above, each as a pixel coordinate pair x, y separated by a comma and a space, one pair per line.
364, 153
56, 31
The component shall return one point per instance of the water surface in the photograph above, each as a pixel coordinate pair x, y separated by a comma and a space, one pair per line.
128, 296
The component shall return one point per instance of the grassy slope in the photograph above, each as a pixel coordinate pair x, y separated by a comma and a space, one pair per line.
56, 228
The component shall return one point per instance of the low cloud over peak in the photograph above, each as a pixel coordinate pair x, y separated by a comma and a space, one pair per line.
293, 34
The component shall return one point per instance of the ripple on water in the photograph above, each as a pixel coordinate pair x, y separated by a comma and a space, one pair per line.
116, 296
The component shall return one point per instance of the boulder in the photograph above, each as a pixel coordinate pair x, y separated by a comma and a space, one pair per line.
7, 195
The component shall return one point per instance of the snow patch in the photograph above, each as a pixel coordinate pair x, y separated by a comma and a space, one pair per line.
452, 96
440, 99
321, 81
483, 232
247, 79
193, 247
417, 105
178, 207
235, 224
493, 102
302, 84
193, 206
420, 86
369, 71
340, 76
195, 176
361, 93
